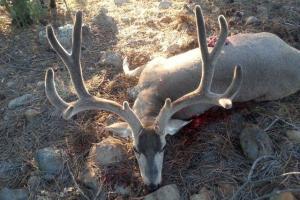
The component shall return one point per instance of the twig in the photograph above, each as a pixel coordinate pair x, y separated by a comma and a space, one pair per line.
254, 165
75, 182
273, 122
248, 181
283, 120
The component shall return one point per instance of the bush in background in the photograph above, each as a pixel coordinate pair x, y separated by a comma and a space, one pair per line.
24, 12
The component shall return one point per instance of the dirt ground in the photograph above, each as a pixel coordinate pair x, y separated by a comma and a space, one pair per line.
206, 154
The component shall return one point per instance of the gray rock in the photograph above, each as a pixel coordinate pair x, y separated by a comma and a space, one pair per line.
252, 21
105, 22
30, 114
50, 161
108, 152
13, 194
111, 58
165, 4
255, 143
168, 192
20, 101
293, 135
120, 2
63, 34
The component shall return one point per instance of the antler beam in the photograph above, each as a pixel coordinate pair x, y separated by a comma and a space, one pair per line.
86, 101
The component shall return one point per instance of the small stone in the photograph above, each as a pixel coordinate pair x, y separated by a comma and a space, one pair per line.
20, 101
165, 4
120, 2
30, 114
283, 196
252, 21
108, 152
168, 192
111, 58
13, 194
293, 135
203, 195
255, 143
50, 161
105, 22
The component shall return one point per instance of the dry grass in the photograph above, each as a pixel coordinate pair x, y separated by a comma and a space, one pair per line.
205, 154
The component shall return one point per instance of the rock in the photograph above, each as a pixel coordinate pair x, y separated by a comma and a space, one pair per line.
111, 58
165, 4
105, 22
293, 135
283, 196
168, 192
109, 151
120, 2
20, 101
252, 21
203, 195
255, 143
50, 161
64, 35
30, 114
13, 194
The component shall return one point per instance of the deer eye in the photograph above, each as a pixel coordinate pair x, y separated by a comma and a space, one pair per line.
135, 150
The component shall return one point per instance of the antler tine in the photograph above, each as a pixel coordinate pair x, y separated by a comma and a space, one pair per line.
208, 59
51, 92
72, 61
203, 94
85, 101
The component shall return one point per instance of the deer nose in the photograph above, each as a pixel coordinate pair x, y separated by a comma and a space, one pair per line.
152, 187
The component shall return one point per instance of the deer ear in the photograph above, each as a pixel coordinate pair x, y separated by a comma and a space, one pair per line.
120, 129
174, 125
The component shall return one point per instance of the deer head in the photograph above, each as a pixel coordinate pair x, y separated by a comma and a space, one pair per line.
148, 138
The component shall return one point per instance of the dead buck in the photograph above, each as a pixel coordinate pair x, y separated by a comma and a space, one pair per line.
270, 71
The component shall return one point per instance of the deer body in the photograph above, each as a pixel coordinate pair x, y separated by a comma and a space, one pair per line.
271, 70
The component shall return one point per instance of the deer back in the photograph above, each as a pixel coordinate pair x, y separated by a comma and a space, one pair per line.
271, 70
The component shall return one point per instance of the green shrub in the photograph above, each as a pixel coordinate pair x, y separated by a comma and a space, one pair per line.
23, 12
